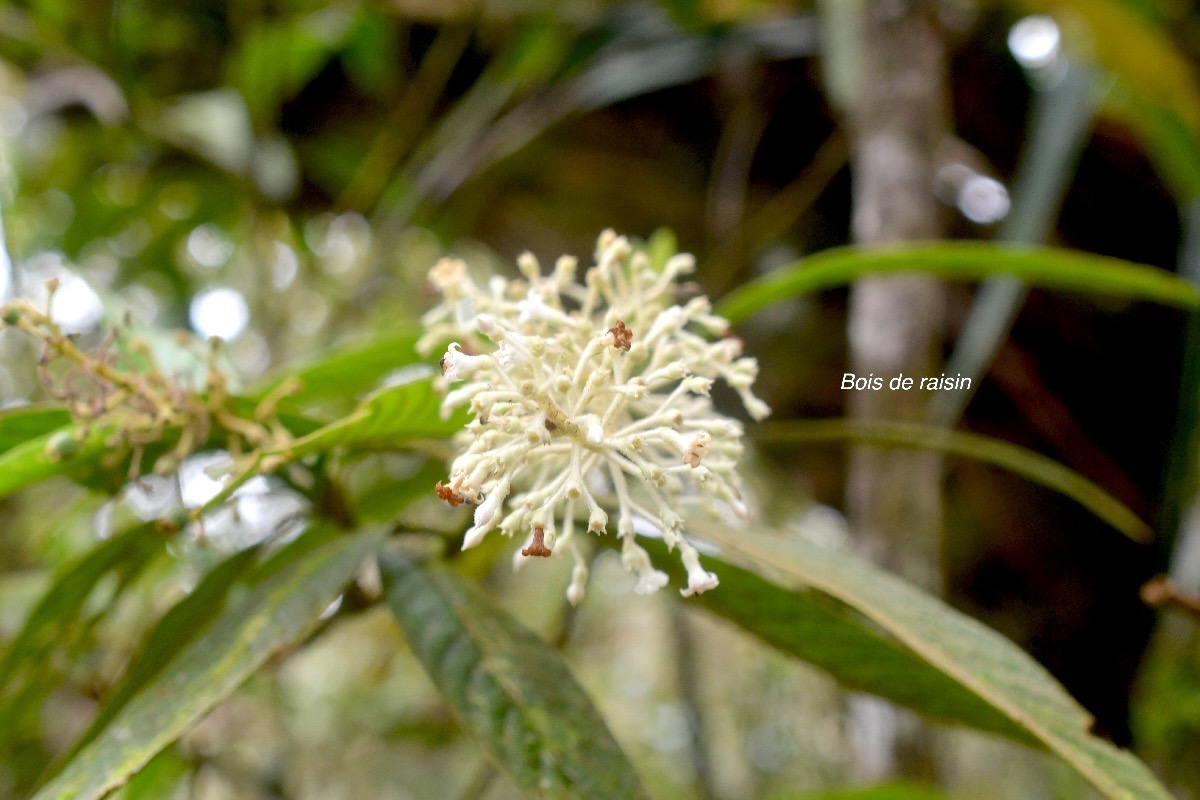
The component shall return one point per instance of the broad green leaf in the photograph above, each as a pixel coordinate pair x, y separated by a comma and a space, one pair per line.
280, 611
384, 418
22, 423
346, 371
59, 618
1048, 267
1014, 458
969, 655
177, 628
508, 687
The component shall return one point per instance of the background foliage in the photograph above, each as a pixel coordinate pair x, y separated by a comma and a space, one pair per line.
282, 175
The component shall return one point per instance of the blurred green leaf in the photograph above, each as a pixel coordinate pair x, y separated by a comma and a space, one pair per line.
372, 55
177, 628
383, 419
157, 779
970, 657
385, 499
22, 423
1026, 463
346, 371
1172, 145
61, 617
512, 691
277, 59
32, 460
537, 51
1047, 267
278, 613
884, 791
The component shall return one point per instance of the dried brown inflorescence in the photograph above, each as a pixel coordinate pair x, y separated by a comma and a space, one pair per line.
122, 401
622, 336
452, 497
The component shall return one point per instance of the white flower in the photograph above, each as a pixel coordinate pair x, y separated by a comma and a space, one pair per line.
588, 396
699, 579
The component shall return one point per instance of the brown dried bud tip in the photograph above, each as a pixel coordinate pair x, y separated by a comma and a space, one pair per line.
622, 336
538, 548
449, 495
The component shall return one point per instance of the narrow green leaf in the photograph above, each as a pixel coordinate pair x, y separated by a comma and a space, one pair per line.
969, 655
812, 626
1014, 458
1048, 267
177, 628
22, 423
508, 687
58, 619
383, 419
156, 780
279, 612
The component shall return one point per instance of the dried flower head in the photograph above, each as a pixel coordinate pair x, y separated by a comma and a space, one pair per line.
589, 396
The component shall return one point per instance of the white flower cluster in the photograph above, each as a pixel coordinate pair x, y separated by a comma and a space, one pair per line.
589, 396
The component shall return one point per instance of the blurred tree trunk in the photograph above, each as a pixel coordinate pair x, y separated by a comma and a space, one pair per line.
893, 498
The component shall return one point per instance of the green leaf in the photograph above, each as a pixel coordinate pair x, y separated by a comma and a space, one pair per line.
817, 628
346, 371
170, 635
277, 59
35, 460
971, 658
22, 423
156, 780
383, 419
39, 458
384, 499
1014, 458
1048, 267
58, 619
281, 611
884, 791
508, 687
